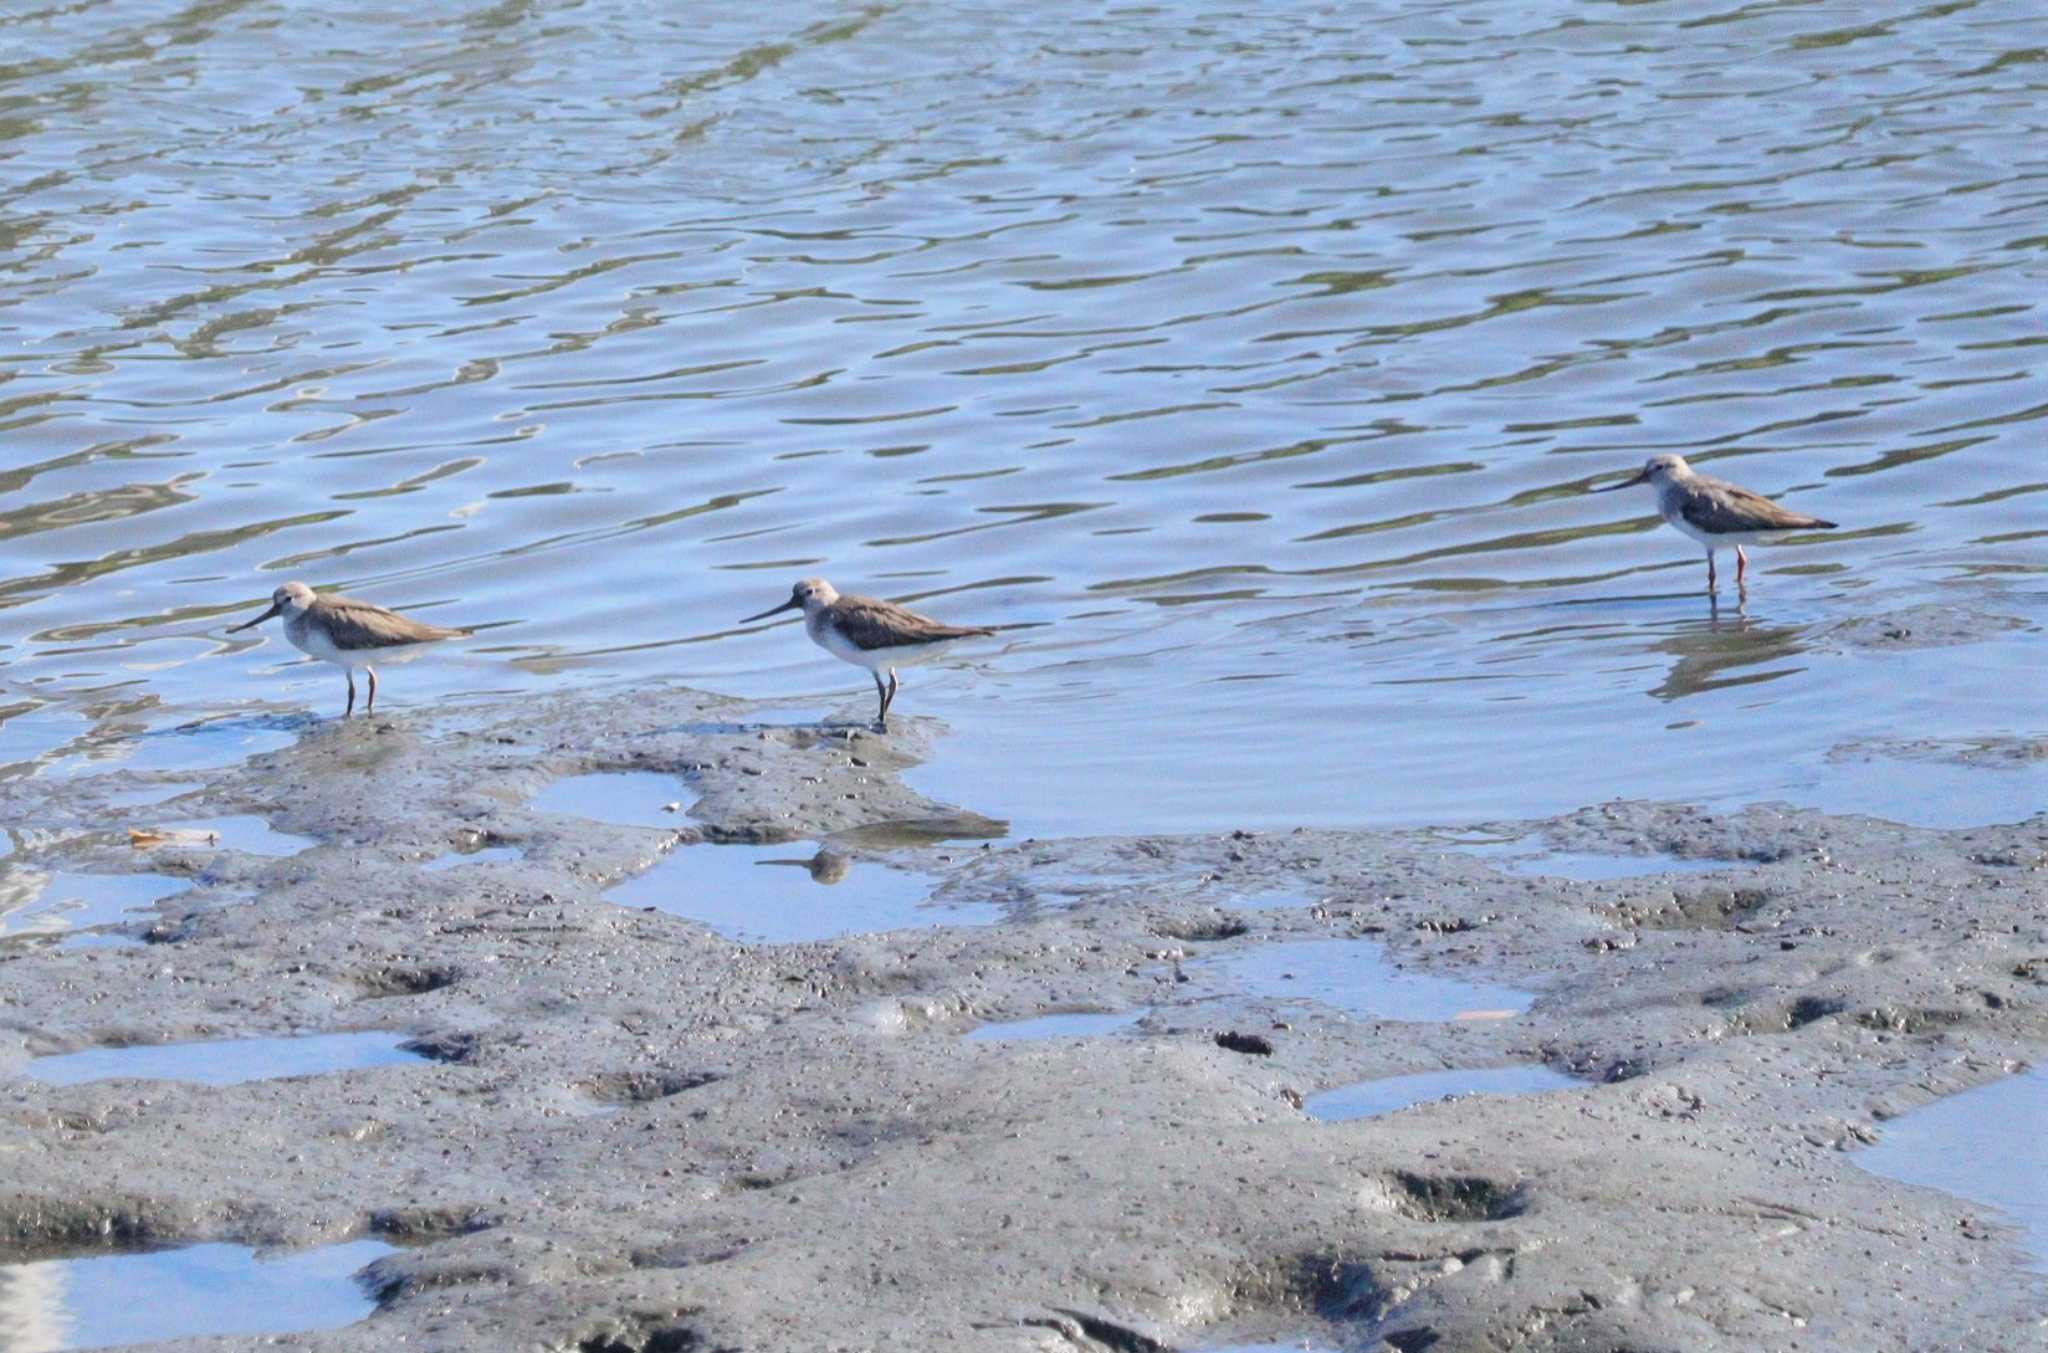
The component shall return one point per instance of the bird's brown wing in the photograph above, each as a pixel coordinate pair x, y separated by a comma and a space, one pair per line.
1725, 509
873, 624
359, 625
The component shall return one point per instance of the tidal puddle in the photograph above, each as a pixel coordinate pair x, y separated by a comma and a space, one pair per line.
1388, 1094
1354, 976
1985, 1145
246, 832
1533, 855
36, 903
788, 894
226, 1062
1088, 1024
457, 858
195, 746
193, 1291
630, 798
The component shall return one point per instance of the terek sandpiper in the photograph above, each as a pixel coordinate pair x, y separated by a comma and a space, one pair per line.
348, 633
877, 635
1716, 513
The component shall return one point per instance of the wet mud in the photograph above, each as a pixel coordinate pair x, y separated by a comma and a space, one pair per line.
618, 1129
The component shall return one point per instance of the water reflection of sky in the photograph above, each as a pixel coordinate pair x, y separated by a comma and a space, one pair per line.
101, 1301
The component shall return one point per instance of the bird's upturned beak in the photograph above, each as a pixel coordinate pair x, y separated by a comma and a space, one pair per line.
789, 605
1642, 476
246, 624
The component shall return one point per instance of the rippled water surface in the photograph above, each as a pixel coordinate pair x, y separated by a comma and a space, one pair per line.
1247, 363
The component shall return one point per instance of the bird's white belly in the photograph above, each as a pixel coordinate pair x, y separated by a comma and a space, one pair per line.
1724, 540
875, 659
314, 643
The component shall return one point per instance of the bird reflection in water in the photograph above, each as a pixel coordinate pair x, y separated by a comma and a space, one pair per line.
827, 866
1725, 651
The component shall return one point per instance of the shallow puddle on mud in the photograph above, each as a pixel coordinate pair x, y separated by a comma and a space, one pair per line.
1533, 854
455, 859
629, 798
1076, 1024
228, 1061
245, 832
1354, 976
787, 894
188, 746
36, 903
106, 1300
1984, 1145
1389, 1094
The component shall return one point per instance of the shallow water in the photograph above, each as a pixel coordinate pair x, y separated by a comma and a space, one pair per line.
1985, 1145
1533, 855
787, 894
1390, 1094
105, 1300
631, 798
231, 1061
1247, 361
1078, 1024
1355, 976
244, 832
456, 859
35, 902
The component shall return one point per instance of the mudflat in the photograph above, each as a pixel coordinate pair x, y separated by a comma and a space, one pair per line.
619, 1128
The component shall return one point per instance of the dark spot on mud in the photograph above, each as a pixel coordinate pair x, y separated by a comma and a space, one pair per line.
1342, 1289
1202, 931
688, 1254
1807, 1009
1076, 1326
749, 834
1898, 1019
378, 983
442, 1047
1783, 1018
638, 1087
643, 1334
1253, 1045
423, 1225
2010, 859
1412, 1341
39, 1228
1452, 1197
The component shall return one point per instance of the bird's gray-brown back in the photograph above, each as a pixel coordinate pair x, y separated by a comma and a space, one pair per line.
360, 625
1721, 508
871, 623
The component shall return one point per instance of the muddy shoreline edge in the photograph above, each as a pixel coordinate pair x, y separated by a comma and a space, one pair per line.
804, 1154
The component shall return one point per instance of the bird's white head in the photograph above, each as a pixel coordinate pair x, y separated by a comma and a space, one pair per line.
289, 601
809, 596
1657, 470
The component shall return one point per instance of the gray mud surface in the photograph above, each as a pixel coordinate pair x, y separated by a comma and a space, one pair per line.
633, 1134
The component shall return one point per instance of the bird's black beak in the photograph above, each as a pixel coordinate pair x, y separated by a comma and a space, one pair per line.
791, 604
275, 607
1642, 477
